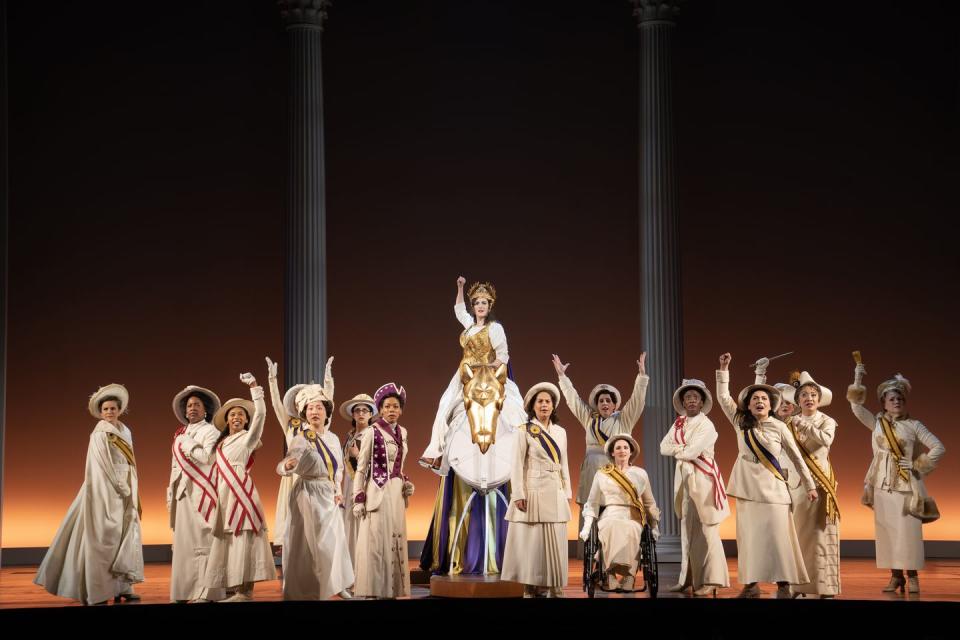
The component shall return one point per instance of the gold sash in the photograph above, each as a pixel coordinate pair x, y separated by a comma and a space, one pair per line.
127, 452
624, 482
894, 445
828, 483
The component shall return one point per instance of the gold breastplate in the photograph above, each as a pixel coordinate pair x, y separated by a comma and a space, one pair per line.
477, 349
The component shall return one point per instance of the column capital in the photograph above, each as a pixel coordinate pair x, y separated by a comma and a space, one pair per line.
303, 12
656, 10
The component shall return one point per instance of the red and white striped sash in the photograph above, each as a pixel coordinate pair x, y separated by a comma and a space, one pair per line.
702, 464
205, 481
244, 493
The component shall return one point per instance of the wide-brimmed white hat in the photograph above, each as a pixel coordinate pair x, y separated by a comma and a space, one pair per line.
634, 447
346, 409
788, 393
592, 399
290, 400
549, 387
220, 417
179, 401
697, 385
773, 392
115, 390
897, 383
826, 396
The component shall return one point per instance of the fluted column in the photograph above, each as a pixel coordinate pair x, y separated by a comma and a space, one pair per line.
662, 322
305, 284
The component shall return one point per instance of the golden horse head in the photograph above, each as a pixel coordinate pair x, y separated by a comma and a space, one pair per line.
483, 395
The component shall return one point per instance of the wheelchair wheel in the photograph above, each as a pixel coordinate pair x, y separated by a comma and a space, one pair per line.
588, 566
648, 560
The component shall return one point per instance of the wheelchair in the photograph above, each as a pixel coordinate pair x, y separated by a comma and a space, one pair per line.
594, 569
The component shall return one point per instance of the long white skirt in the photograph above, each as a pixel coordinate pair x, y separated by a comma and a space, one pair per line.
819, 542
620, 537
316, 564
283, 509
536, 554
382, 558
767, 546
238, 560
704, 562
192, 538
351, 524
899, 536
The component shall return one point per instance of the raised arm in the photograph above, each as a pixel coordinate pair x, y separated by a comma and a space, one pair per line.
724, 399
255, 432
276, 399
328, 379
633, 408
580, 409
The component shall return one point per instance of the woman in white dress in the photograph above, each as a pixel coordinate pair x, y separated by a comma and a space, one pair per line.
97, 553
540, 493
624, 492
700, 495
240, 554
359, 410
894, 486
291, 424
316, 562
767, 546
381, 493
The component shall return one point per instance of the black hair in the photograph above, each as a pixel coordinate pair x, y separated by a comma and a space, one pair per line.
328, 407
108, 399
596, 397
226, 429
531, 414
683, 391
207, 405
391, 395
490, 319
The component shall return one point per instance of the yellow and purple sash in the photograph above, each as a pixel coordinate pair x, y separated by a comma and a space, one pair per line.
596, 430
764, 456
624, 483
549, 444
329, 460
828, 483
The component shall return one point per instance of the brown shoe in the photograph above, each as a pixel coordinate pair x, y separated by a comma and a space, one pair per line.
896, 582
783, 592
750, 591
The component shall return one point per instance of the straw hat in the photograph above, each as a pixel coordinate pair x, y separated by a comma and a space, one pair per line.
220, 417
592, 399
634, 447
115, 390
826, 396
685, 386
180, 401
346, 409
542, 386
773, 392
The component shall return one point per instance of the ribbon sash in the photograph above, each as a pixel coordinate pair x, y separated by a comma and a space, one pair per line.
624, 482
202, 480
894, 444
828, 483
329, 460
244, 493
766, 458
703, 465
127, 452
549, 444
596, 430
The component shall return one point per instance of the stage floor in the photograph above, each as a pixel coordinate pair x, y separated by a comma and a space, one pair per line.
861, 580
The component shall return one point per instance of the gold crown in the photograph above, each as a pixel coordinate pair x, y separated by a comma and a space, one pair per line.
483, 290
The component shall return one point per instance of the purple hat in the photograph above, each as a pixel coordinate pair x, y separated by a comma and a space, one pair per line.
388, 389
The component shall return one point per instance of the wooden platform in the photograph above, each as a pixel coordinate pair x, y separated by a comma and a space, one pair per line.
474, 587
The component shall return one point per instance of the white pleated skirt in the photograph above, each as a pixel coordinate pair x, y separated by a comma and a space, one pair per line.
536, 554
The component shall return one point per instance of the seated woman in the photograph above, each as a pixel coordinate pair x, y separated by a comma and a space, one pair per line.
624, 491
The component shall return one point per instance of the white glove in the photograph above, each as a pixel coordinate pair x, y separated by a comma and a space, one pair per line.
248, 379
271, 368
408, 488
359, 510
761, 366
860, 370
906, 463
587, 526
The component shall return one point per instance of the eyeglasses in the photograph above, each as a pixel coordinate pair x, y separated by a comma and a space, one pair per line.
361, 410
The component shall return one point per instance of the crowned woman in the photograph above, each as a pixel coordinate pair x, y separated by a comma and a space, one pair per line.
480, 409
